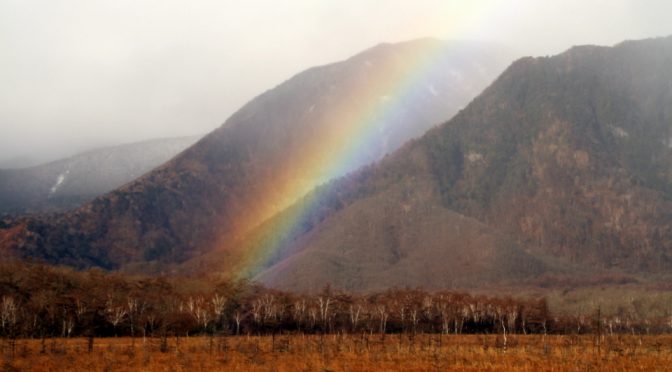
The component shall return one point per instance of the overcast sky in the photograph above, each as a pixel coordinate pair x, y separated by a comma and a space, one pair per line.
76, 74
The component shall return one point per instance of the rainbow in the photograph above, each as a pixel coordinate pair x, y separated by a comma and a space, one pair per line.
339, 146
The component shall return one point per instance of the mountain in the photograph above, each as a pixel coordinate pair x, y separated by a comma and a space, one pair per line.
68, 183
320, 124
561, 168
20, 161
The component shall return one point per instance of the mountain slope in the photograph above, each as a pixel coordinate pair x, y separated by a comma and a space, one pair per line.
70, 182
265, 156
402, 237
563, 165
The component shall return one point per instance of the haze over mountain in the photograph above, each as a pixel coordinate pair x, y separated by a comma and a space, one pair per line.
68, 183
21, 161
104, 73
561, 168
268, 154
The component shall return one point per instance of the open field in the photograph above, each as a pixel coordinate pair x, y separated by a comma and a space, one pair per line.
344, 353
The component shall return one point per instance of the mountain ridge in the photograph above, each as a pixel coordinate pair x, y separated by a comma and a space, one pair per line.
67, 183
576, 169
248, 169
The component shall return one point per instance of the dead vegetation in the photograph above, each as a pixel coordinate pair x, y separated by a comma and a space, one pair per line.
342, 352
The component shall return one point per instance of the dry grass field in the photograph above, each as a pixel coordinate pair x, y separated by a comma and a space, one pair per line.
345, 353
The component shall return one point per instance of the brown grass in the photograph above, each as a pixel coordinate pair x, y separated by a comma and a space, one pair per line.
344, 353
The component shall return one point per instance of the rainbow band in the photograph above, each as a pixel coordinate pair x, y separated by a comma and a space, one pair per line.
338, 147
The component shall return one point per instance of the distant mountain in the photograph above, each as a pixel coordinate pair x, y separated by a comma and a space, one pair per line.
561, 168
322, 123
68, 183
21, 161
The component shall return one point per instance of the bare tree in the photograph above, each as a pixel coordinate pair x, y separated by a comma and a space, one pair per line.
237, 317
218, 304
323, 304
383, 314
114, 313
354, 311
132, 309
8, 315
443, 310
257, 312
269, 310
428, 308
68, 323
511, 317
198, 310
312, 315
299, 312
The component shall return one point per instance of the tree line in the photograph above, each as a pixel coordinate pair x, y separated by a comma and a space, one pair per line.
39, 301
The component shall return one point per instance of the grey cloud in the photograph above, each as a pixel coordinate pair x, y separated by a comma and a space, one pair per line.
76, 74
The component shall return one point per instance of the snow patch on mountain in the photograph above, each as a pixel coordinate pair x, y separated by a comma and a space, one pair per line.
619, 132
474, 156
59, 182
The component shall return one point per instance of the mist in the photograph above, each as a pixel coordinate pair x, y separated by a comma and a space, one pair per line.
80, 74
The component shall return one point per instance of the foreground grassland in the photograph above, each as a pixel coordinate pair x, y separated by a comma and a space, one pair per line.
344, 353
